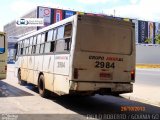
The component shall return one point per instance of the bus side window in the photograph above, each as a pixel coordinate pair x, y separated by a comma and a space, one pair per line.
33, 49
34, 45
50, 35
60, 45
22, 45
64, 38
37, 49
21, 51
55, 34
60, 34
67, 44
43, 38
67, 36
30, 50
31, 41
46, 36
24, 50
39, 37
68, 30
27, 45
16, 48
52, 46
27, 42
27, 50
47, 47
34, 40
42, 48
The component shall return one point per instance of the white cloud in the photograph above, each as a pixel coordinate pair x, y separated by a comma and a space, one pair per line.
20, 7
144, 9
134, 1
96, 1
1, 27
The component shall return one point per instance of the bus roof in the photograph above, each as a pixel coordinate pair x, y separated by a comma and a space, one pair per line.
49, 27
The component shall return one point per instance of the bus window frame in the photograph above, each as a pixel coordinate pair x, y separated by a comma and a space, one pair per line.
51, 31
64, 39
36, 41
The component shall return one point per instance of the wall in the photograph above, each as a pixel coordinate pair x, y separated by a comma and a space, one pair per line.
147, 54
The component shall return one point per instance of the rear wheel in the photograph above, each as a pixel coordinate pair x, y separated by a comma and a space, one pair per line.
41, 87
20, 81
116, 94
19, 77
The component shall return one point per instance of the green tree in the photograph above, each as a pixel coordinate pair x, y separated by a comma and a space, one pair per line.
157, 39
148, 40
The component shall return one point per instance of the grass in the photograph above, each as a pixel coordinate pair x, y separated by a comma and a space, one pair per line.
148, 66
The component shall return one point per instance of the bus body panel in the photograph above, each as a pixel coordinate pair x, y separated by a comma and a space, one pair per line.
48, 63
61, 84
92, 66
17, 65
48, 70
61, 73
49, 81
104, 56
24, 66
38, 67
103, 88
30, 76
61, 64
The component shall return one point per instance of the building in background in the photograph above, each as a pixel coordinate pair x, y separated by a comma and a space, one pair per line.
12, 30
146, 32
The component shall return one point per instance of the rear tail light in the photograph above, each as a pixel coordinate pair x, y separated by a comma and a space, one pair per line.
132, 74
75, 73
6, 68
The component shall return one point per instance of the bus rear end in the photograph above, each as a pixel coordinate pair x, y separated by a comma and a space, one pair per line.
3, 56
104, 57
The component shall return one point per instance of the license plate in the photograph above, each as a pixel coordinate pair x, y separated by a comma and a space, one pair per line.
105, 76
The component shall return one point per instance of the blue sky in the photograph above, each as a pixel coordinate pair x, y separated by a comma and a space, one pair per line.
140, 9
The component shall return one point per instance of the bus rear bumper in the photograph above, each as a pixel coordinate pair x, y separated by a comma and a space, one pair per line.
100, 88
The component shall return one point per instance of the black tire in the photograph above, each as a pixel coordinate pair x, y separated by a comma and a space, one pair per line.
116, 95
41, 87
20, 81
19, 77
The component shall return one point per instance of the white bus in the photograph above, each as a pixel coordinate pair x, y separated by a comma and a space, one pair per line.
3, 56
82, 55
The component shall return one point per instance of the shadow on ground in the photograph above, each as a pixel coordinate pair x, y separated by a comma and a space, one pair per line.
103, 104
99, 104
7, 90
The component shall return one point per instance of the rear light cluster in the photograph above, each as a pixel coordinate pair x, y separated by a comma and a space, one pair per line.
132, 74
6, 68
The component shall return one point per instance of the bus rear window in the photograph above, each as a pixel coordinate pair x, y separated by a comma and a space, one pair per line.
2, 44
112, 39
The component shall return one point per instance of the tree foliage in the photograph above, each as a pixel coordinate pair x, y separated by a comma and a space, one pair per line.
157, 39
